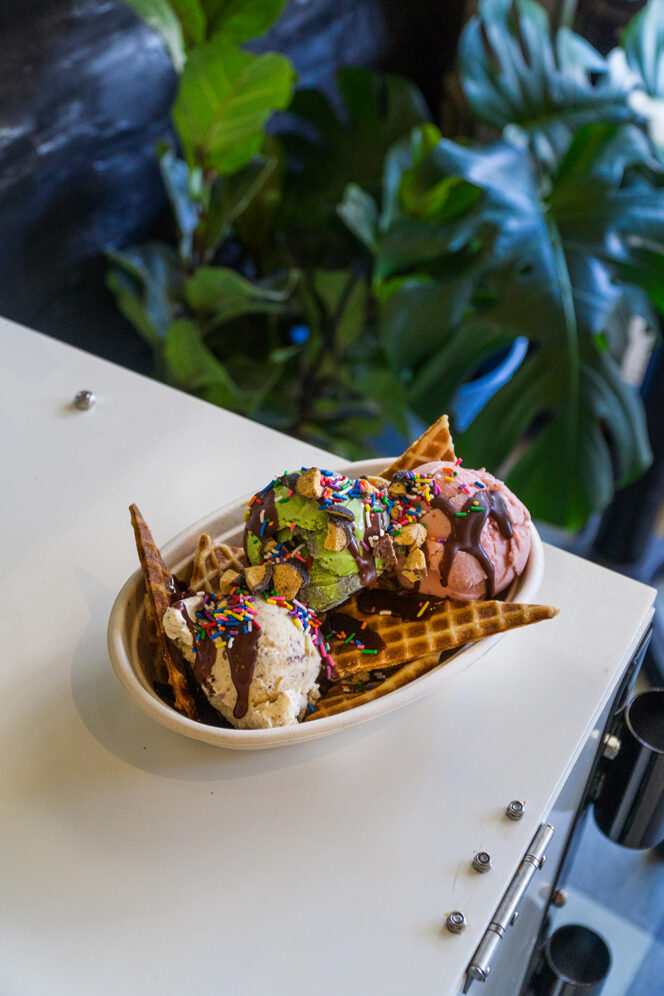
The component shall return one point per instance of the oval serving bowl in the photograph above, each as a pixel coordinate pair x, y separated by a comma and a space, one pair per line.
128, 649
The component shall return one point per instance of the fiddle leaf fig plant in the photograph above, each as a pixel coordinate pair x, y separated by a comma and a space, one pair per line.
263, 305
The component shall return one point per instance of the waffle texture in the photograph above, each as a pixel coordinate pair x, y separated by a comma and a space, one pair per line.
434, 444
211, 561
341, 698
452, 625
159, 588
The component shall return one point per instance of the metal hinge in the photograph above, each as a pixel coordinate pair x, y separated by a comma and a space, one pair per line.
507, 912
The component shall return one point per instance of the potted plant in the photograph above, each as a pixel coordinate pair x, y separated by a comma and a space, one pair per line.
552, 232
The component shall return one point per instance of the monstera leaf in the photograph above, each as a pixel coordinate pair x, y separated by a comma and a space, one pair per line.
643, 53
643, 43
498, 254
514, 72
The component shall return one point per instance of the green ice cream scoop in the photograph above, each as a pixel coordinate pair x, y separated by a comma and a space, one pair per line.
321, 533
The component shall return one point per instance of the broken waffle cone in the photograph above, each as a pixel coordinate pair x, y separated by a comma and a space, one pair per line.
340, 700
159, 588
434, 444
213, 560
453, 624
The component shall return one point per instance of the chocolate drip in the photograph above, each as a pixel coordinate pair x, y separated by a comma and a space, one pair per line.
266, 527
205, 650
242, 656
466, 531
404, 604
177, 588
366, 559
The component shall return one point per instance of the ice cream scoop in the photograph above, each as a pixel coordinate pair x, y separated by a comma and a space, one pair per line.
319, 535
468, 534
256, 659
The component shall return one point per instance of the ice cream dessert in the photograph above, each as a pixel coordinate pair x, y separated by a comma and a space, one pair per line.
459, 533
256, 659
319, 535
238, 637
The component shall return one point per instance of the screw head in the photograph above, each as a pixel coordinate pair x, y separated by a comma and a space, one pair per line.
515, 810
559, 897
482, 862
456, 922
83, 400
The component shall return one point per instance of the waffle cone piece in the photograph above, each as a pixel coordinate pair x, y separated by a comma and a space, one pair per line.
211, 561
159, 588
434, 444
340, 697
453, 624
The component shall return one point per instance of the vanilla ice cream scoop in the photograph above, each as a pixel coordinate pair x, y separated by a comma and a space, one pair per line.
474, 533
256, 659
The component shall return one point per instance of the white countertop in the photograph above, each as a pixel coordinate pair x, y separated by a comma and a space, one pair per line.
136, 861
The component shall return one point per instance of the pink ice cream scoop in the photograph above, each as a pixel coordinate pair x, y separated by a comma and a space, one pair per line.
478, 532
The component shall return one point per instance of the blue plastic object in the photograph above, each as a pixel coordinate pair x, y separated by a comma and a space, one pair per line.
299, 334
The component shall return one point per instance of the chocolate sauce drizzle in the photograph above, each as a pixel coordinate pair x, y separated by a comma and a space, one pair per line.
466, 531
265, 528
340, 622
404, 604
242, 656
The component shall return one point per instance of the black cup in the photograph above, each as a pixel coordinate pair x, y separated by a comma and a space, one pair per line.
575, 962
630, 807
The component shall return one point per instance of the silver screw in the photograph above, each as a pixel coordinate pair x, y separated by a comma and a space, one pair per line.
83, 400
515, 810
482, 862
456, 922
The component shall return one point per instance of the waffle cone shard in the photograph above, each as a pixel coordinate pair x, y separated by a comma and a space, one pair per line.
158, 588
211, 560
338, 700
434, 444
452, 625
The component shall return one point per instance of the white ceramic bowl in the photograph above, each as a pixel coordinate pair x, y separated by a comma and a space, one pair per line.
128, 650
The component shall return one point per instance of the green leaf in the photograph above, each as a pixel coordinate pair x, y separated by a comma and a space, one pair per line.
359, 212
191, 16
240, 21
176, 177
566, 470
418, 311
643, 42
146, 282
161, 17
552, 261
224, 100
229, 197
346, 145
193, 367
514, 72
223, 294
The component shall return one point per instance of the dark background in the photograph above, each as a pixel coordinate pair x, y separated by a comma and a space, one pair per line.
85, 92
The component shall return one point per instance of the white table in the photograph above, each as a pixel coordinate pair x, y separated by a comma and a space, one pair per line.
135, 861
